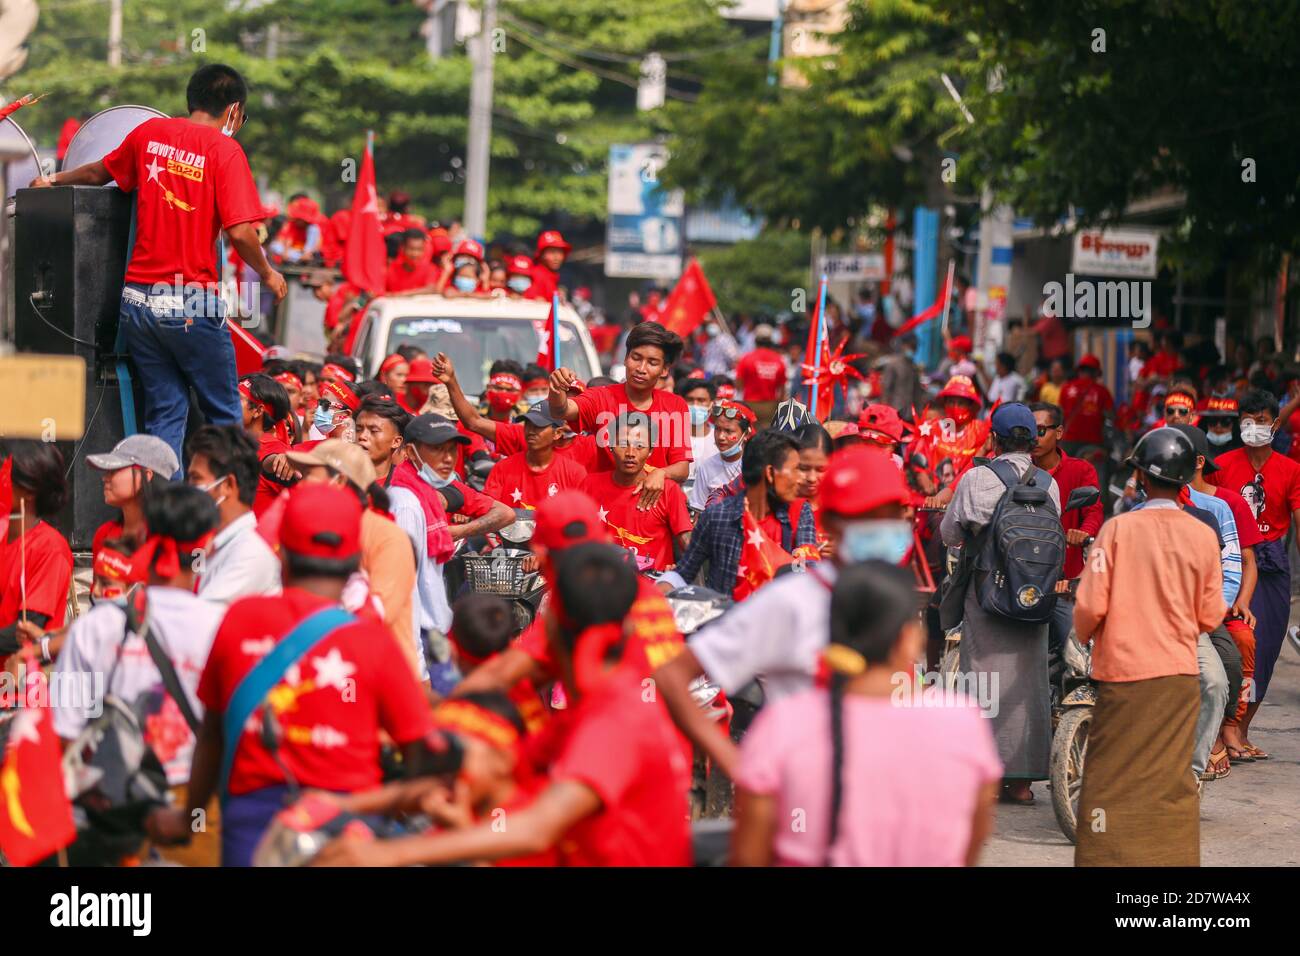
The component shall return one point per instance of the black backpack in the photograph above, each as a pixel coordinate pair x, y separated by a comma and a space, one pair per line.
1021, 551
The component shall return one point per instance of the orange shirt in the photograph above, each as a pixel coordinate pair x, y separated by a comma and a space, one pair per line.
1151, 584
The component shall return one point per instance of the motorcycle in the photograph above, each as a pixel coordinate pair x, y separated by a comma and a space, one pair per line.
1072, 718
501, 570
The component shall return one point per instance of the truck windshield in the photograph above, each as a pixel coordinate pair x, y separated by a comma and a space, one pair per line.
475, 343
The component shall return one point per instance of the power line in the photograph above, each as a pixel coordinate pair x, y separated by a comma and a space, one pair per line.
531, 43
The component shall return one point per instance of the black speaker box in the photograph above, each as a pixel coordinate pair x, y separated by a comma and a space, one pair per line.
70, 250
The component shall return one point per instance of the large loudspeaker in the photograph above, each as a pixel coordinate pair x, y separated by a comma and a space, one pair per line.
70, 250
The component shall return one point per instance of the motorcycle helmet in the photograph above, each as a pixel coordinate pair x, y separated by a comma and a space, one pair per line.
1166, 455
790, 416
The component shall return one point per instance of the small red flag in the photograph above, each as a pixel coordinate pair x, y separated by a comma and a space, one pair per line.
761, 558
365, 260
690, 302
545, 353
249, 353
933, 312
35, 815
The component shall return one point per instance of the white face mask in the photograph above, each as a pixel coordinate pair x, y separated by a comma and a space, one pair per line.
1218, 438
1256, 435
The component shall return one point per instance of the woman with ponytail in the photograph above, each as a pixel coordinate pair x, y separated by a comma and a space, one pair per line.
869, 769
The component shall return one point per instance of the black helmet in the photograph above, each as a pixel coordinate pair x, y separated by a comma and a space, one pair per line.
1165, 454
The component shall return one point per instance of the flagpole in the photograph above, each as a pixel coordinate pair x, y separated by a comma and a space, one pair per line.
555, 330
22, 555
821, 334
947, 299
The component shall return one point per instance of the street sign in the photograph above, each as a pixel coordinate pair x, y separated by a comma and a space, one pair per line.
1115, 252
860, 267
643, 237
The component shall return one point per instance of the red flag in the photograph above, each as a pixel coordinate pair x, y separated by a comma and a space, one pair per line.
365, 260
933, 312
35, 815
761, 558
545, 354
249, 352
690, 302
7, 487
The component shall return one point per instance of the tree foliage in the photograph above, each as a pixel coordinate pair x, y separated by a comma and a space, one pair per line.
758, 276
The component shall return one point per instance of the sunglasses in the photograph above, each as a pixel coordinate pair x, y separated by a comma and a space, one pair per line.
1044, 429
721, 411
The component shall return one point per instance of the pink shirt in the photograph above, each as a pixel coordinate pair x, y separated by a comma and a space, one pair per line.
911, 777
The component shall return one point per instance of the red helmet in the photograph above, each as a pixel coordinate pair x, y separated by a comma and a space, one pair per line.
960, 386
304, 209
1090, 361
519, 266
882, 421
468, 247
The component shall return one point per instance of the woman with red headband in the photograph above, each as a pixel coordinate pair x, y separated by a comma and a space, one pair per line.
266, 407
392, 372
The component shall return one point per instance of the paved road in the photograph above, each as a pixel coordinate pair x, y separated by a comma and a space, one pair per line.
1249, 818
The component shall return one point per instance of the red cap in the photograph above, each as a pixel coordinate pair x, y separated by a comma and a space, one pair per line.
568, 518
439, 241
304, 209
519, 266
1090, 361
551, 239
421, 372
337, 392
878, 421
961, 343
468, 247
321, 521
860, 478
960, 386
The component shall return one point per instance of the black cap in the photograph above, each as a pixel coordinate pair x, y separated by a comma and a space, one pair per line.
539, 414
431, 429
1166, 455
1201, 444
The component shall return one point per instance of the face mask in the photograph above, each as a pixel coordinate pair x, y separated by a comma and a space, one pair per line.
229, 128
1256, 435
207, 489
887, 541
734, 452
532, 397
960, 414
502, 401
699, 415
712, 330
1218, 438
519, 283
431, 477
323, 420
465, 283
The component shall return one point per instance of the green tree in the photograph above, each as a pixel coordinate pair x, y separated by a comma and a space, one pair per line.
758, 276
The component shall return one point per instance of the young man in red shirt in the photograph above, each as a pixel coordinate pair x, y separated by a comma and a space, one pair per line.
618, 775
1069, 473
651, 349
761, 376
329, 705
1270, 484
650, 533
411, 272
525, 479
1086, 404
191, 182
552, 250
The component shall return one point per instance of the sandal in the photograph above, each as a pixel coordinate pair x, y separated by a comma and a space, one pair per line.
1219, 767
1256, 754
1006, 797
1241, 756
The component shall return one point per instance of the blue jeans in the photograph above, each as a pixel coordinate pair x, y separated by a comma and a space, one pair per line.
172, 352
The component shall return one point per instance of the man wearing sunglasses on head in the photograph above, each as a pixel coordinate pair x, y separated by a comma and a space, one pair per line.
733, 423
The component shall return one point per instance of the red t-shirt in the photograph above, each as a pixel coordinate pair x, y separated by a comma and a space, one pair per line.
268, 489
1084, 404
49, 572
581, 450
476, 503
1160, 365
190, 183
670, 420
403, 275
545, 283
761, 375
649, 533
476, 445
108, 531
331, 706
1071, 473
631, 757
1247, 531
513, 482
653, 638
1272, 493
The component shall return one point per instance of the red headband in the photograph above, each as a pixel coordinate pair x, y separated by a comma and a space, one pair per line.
337, 371
289, 380
391, 363
463, 717
537, 383
1179, 400
113, 564
246, 390
341, 394
726, 391
507, 380
162, 554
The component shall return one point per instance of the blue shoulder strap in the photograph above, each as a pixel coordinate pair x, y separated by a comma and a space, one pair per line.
257, 683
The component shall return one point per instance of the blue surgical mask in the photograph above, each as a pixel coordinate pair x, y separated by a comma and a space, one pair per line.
699, 415
734, 452
887, 541
323, 420
465, 283
519, 283
1218, 438
431, 477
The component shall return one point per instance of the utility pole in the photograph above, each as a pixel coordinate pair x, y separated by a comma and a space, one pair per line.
478, 154
115, 33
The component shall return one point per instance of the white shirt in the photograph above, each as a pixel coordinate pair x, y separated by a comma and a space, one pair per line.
1008, 388
430, 609
183, 625
711, 475
239, 563
779, 633
703, 447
